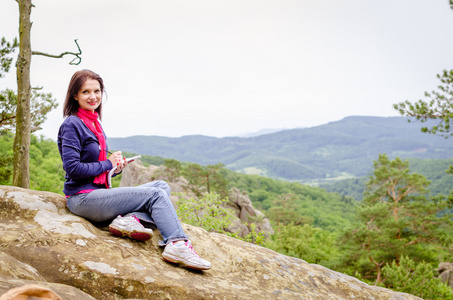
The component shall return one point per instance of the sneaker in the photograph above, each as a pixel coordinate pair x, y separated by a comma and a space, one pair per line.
182, 252
130, 226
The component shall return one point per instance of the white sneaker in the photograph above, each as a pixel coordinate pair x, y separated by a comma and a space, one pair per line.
182, 252
130, 226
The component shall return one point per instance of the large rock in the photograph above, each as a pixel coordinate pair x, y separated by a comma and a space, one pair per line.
47, 242
247, 214
446, 273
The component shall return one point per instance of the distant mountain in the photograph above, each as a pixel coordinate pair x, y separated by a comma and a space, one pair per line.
341, 149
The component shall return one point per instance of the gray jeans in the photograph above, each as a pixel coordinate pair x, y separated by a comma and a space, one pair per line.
149, 202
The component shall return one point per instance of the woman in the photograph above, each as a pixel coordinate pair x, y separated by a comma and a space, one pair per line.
83, 150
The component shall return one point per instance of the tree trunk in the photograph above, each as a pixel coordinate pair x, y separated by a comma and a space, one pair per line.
21, 148
378, 269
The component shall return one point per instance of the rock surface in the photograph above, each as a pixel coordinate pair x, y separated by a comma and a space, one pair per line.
42, 242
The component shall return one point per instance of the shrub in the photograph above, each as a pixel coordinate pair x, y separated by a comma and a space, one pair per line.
210, 213
206, 212
416, 279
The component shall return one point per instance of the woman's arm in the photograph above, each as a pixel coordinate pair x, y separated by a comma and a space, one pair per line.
73, 148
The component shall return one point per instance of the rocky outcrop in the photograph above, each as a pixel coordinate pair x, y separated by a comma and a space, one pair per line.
42, 242
246, 214
446, 273
136, 174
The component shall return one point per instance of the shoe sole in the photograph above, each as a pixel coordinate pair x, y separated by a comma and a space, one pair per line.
139, 236
176, 261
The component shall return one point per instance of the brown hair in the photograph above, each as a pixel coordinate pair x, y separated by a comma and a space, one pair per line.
71, 106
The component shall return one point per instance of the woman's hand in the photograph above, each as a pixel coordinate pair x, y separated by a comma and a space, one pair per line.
118, 161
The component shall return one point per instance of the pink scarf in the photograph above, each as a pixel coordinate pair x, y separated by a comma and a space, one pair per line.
90, 118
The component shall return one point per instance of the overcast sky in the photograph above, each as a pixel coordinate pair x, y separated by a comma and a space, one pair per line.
223, 68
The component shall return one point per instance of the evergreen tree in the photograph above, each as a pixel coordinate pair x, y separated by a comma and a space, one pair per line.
195, 175
438, 106
40, 105
395, 219
206, 179
6, 48
285, 210
172, 169
215, 181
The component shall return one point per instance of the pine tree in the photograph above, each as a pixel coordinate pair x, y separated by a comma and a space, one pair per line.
395, 219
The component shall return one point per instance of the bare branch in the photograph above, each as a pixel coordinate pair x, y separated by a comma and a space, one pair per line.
77, 60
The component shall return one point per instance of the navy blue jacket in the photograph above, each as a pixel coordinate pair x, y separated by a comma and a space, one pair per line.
79, 150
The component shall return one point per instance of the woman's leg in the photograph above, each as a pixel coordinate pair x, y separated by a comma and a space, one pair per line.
145, 217
106, 204
160, 184
151, 199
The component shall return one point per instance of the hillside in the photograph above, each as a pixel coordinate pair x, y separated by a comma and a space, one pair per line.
336, 150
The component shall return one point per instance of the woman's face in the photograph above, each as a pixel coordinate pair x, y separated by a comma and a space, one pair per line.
90, 95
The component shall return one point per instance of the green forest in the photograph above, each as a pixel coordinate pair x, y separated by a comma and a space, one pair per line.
381, 238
